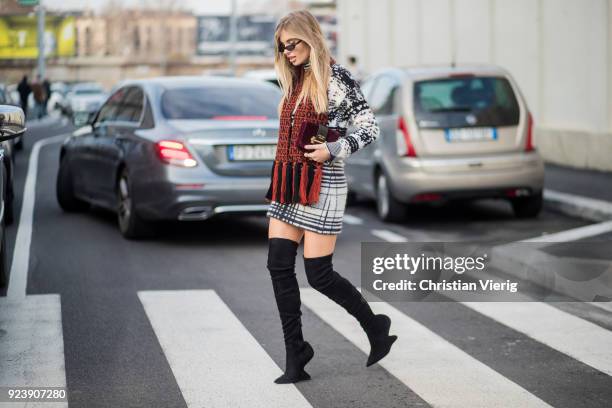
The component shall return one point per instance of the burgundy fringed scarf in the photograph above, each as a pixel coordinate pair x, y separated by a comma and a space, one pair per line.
295, 178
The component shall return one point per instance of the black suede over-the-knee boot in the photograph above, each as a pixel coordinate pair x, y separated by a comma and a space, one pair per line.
281, 264
322, 277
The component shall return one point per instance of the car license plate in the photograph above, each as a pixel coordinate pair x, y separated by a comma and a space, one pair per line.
251, 152
470, 134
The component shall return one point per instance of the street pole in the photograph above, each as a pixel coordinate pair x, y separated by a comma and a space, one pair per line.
40, 37
233, 38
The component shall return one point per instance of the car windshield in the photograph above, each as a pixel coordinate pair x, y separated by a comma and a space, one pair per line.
229, 103
446, 102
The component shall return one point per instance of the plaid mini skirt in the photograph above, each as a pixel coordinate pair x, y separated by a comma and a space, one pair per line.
324, 217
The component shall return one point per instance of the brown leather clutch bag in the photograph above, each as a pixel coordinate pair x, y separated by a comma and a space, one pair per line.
313, 133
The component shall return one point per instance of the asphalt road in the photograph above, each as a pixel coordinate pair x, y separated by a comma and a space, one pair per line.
189, 319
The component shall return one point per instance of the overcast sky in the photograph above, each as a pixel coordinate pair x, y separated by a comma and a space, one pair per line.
197, 6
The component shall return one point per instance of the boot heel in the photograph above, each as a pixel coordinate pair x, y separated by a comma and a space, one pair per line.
297, 373
380, 340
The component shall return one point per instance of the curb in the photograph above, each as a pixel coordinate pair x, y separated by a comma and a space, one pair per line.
590, 209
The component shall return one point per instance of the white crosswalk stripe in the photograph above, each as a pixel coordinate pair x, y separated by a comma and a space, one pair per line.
436, 370
218, 363
32, 345
215, 359
555, 328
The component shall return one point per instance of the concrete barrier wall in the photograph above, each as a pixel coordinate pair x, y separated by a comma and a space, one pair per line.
559, 51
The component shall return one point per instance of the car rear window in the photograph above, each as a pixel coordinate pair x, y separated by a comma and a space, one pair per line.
466, 101
249, 102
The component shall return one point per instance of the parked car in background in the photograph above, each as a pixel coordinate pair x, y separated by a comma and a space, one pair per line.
263, 75
173, 148
84, 99
7, 150
448, 133
59, 90
12, 124
7, 97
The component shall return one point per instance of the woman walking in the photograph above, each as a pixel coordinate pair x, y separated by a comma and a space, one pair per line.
308, 187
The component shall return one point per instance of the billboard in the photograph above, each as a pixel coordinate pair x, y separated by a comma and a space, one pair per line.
18, 36
255, 35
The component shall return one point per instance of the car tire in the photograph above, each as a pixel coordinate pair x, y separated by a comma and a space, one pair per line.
527, 207
3, 262
351, 198
131, 225
389, 209
19, 143
64, 189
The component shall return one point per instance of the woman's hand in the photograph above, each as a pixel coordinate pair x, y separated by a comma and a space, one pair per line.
319, 154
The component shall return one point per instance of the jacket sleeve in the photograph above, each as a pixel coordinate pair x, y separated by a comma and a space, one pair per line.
356, 110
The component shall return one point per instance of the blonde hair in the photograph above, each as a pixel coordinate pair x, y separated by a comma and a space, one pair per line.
304, 26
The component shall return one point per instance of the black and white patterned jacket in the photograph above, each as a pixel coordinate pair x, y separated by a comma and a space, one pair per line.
347, 107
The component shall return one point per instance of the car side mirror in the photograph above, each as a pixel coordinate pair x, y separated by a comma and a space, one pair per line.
12, 122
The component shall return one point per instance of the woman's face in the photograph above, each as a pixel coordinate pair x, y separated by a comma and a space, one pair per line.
300, 53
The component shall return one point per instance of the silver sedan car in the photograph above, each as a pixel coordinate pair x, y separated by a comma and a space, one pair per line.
448, 133
173, 148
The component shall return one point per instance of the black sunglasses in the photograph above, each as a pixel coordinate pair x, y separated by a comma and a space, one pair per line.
282, 47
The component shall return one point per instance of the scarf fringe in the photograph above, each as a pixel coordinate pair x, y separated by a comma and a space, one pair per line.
283, 182
315, 189
298, 182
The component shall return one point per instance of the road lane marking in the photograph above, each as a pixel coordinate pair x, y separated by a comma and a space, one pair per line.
389, 236
21, 254
571, 335
32, 344
574, 233
435, 369
607, 306
351, 219
585, 207
215, 359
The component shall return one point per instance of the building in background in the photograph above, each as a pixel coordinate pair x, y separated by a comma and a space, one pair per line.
559, 51
117, 42
139, 35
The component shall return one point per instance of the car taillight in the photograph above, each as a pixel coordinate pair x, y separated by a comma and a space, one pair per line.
529, 146
173, 152
426, 197
404, 144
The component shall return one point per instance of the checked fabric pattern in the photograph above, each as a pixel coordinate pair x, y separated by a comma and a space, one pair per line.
347, 107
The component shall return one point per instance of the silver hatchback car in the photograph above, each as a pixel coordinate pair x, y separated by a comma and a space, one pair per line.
448, 133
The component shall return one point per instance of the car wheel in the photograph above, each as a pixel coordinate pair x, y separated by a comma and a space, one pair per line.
19, 143
351, 198
65, 189
131, 225
3, 262
527, 207
388, 207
